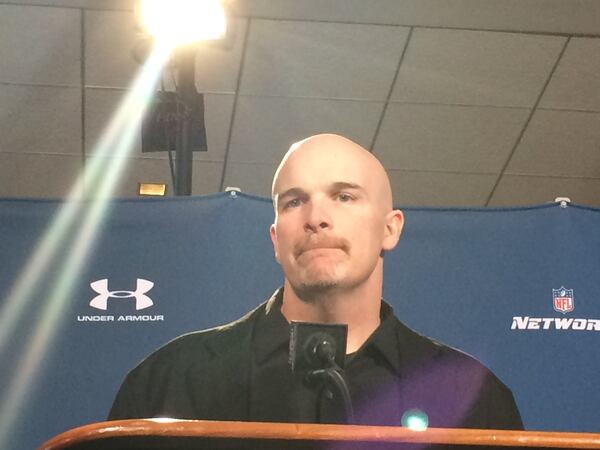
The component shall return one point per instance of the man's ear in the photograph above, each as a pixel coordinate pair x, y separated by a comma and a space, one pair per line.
273, 235
394, 222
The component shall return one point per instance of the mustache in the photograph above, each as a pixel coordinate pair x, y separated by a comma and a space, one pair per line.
311, 243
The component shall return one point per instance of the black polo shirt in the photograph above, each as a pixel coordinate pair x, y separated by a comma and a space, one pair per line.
240, 371
371, 374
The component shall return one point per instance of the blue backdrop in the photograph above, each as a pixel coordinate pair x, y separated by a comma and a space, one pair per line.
478, 279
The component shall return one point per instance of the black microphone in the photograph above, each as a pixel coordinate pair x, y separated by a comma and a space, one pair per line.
319, 351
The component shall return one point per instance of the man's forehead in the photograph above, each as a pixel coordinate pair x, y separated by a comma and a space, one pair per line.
324, 160
327, 168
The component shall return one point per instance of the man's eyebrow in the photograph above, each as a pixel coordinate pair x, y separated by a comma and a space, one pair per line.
340, 185
295, 191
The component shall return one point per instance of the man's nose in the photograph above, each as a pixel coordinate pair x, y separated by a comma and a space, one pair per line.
317, 217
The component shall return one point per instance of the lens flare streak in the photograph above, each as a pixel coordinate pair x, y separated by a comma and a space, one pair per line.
80, 218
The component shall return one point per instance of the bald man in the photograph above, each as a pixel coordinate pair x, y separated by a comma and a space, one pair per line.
334, 221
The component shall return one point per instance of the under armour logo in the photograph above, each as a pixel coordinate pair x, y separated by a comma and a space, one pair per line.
141, 300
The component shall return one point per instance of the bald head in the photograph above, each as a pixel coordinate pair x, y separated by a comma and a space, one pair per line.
333, 218
333, 158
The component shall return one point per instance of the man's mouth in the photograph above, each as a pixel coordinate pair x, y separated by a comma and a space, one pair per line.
317, 249
330, 244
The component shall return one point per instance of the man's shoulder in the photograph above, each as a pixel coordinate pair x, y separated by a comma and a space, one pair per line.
203, 344
178, 379
437, 374
422, 354
420, 348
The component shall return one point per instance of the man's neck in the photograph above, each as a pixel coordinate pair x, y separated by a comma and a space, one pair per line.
359, 308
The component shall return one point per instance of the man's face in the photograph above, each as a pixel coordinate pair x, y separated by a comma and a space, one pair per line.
332, 210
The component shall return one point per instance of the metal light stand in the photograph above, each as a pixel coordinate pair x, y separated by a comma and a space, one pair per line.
186, 89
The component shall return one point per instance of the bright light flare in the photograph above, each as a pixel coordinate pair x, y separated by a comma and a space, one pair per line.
415, 420
181, 22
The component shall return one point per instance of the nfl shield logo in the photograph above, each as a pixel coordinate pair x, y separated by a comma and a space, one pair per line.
563, 300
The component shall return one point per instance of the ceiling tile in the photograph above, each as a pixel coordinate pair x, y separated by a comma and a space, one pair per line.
439, 188
251, 178
38, 175
206, 176
100, 106
218, 109
528, 190
320, 59
40, 45
112, 35
560, 143
572, 16
448, 138
93, 4
8, 174
40, 119
576, 82
218, 63
265, 127
109, 40
101, 103
475, 67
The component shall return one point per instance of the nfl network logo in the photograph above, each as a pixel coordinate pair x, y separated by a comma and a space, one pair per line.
562, 300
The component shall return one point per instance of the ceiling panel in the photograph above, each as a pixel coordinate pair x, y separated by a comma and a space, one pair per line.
8, 174
440, 189
38, 175
40, 119
265, 127
566, 16
91, 4
331, 60
576, 82
205, 176
448, 138
462, 95
560, 143
475, 68
218, 65
109, 40
529, 190
101, 103
251, 178
40, 45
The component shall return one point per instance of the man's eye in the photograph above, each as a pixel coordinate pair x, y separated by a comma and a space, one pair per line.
344, 197
293, 203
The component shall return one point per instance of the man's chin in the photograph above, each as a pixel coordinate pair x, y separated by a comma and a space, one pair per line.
309, 290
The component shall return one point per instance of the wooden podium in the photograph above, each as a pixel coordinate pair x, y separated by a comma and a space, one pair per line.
202, 434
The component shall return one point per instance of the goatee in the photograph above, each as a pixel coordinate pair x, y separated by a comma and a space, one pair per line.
309, 292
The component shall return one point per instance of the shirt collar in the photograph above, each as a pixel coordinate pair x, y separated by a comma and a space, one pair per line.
385, 339
272, 331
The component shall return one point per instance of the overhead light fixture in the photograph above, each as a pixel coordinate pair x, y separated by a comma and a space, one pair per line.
182, 22
176, 119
